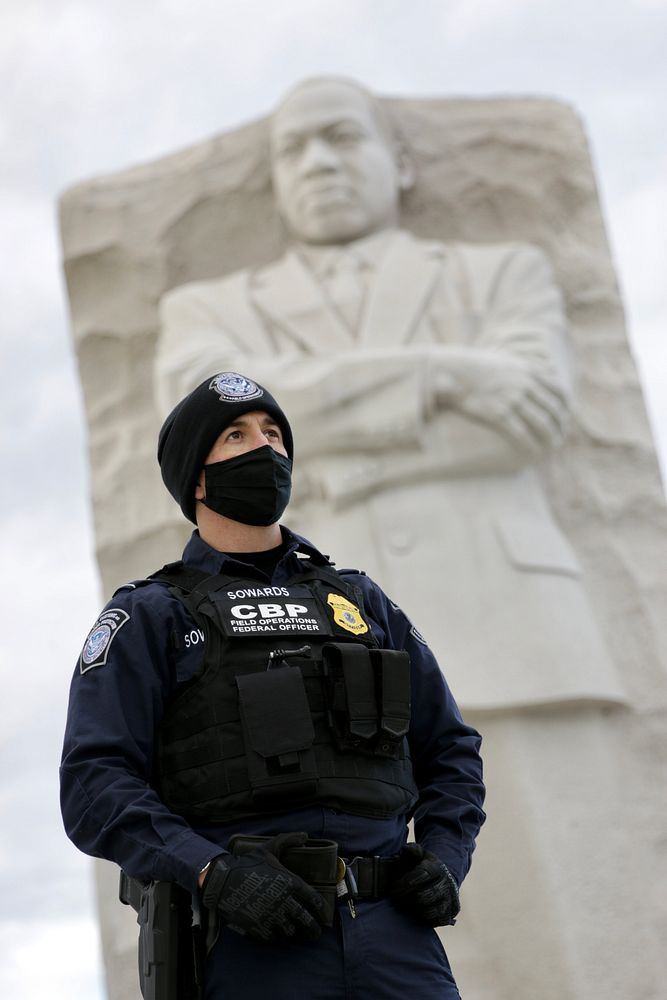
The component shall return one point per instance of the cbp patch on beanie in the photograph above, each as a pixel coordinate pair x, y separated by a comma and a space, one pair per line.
194, 425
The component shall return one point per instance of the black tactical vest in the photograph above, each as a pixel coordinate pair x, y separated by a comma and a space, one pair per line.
295, 703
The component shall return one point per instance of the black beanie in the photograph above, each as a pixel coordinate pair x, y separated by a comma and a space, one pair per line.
194, 425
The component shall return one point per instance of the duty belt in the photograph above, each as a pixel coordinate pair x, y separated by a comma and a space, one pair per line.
337, 879
373, 876
365, 878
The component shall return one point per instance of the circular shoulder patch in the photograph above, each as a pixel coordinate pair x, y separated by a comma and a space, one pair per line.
235, 388
96, 643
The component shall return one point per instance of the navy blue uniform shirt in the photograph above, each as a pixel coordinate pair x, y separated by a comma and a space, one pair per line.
145, 645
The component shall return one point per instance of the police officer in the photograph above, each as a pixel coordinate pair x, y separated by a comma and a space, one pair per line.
254, 689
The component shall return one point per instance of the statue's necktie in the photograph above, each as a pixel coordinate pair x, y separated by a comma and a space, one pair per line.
345, 287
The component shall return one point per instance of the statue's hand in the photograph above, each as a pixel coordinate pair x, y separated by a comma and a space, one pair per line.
519, 395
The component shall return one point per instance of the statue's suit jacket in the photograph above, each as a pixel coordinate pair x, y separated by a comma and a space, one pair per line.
445, 511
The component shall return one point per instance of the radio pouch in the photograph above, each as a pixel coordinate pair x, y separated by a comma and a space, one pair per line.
278, 734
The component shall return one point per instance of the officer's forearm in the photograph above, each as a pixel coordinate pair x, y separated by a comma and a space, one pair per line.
95, 812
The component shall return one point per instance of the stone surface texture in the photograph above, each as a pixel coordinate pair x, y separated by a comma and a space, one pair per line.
566, 899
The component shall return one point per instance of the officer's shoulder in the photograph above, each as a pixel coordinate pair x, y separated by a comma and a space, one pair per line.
348, 571
359, 578
138, 590
149, 590
371, 587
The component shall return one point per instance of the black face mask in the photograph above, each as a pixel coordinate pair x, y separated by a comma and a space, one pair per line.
253, 488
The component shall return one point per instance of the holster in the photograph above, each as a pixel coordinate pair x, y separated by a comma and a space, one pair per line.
170, 949
316, 862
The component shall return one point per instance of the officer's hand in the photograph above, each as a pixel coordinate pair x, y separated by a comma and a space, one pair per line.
426, 889
256, 895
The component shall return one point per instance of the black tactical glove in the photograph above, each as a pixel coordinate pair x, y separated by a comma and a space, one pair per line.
425, 888
256, 895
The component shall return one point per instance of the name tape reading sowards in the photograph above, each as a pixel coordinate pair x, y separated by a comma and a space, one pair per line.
258, 592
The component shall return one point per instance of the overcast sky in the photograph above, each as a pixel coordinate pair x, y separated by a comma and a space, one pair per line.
89, 87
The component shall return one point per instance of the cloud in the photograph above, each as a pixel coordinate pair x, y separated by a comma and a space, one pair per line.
641, 243
50, 960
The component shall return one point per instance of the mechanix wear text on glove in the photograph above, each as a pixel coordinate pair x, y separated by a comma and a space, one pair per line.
426, 889
256, 895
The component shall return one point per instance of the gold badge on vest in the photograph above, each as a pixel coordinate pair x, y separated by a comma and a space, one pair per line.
346, 614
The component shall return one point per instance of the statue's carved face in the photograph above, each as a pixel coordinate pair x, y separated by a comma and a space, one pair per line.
336, 176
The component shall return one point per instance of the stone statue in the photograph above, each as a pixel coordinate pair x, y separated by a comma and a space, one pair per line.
426, 381
436, 372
